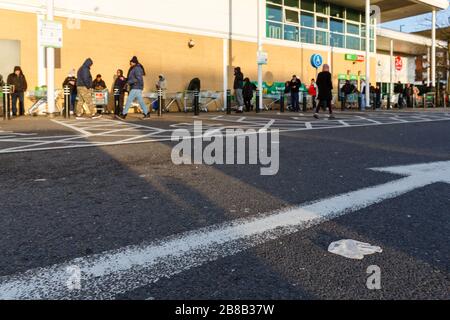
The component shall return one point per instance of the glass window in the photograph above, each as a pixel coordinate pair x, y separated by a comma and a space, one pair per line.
291, 33
337, 40
363, 44
308, 5
336, 25
321, 7
274, 13
363, 30
322, 37
322, 22
336, 11
291, 16
353, 28
353, 15
307, 19
353, 43
307, 35
372, 32
292, 3
274, 30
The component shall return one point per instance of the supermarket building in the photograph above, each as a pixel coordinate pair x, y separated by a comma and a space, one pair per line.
207, 39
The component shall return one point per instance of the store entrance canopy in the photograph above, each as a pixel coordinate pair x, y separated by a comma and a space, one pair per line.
405, 43
397, 9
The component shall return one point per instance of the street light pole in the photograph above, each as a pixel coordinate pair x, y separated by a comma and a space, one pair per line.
50, 66
367, 53
260, 48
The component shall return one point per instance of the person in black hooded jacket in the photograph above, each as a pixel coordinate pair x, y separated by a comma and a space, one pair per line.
84, 90
19, 85
247, 91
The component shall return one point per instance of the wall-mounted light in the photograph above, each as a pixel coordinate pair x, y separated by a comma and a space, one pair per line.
191, 44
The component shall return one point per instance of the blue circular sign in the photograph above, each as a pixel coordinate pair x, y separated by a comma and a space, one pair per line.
316, 60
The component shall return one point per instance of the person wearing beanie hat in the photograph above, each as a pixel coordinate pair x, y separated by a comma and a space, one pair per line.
19, 85
71, 82
136, 82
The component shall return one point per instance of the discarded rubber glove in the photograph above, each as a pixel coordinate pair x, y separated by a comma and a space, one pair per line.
353, 249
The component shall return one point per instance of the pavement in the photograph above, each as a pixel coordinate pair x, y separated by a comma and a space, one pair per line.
104, 199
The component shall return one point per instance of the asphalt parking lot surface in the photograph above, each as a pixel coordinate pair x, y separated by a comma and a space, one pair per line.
104, 195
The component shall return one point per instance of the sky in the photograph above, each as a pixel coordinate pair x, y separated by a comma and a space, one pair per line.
419, 23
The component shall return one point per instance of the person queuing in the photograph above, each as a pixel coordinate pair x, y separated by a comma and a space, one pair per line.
325, 87
347, 90
85, 104
363, 95
287, 94
295, 86
119, 92
136, 82
247, 92
312, 91
71, 82
407, 95
162, 84
99, 85
398, 90
238, 88
19, 85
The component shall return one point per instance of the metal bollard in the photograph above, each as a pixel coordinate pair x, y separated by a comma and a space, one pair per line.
196, 103
116, 101
257, 102
67, 102
305, 102
228, 101
6, 101
282, 102
160, 101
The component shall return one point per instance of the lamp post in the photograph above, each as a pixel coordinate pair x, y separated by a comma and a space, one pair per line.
50, 66
260, 48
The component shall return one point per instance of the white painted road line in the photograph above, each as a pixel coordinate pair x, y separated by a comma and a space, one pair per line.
75, 128
106, 275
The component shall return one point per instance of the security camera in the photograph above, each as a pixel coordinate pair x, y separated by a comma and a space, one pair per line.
191, 43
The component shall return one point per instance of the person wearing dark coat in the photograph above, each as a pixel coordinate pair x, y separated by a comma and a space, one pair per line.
19, 85
295, 85
247, 92
119, 92
325, 86
84, 91
347, 90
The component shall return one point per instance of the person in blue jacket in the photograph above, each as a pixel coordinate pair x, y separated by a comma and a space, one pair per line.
136, 82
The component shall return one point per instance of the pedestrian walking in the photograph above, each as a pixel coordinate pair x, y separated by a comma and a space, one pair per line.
295, 85
71, 82
238, 89
247, 92
325, 87
119, 92
136, 82
85, 104
19, 85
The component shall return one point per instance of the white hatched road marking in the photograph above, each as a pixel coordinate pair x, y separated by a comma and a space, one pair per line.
92, 133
